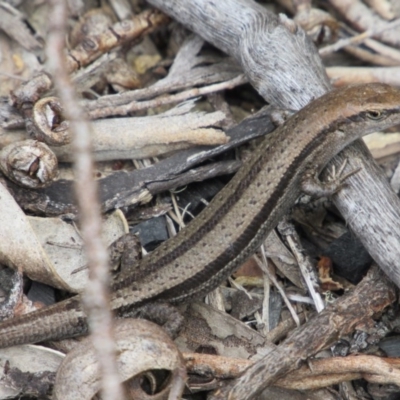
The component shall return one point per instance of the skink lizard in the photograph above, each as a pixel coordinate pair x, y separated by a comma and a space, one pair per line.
238, 219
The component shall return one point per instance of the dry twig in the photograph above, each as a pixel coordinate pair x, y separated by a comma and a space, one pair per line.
372, 295
96, 295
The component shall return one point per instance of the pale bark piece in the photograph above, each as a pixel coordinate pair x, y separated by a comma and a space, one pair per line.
141, 346
283, 259
342, 76
64, 246
143, 137
383, 8
211, 329
11, 22
27, 358
382, 145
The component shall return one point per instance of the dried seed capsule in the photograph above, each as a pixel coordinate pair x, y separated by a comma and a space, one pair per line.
49, 122
29, 163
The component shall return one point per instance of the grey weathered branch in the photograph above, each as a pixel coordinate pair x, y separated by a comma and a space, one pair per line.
277, 57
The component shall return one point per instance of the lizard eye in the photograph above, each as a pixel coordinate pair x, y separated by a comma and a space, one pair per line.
375, 115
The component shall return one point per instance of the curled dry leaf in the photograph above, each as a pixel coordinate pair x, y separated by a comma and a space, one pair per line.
47, 250
64, 247
29, 163
141, 347
49, 122
19, 246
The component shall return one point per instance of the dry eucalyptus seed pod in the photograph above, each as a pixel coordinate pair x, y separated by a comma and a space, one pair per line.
29, 163
49, 122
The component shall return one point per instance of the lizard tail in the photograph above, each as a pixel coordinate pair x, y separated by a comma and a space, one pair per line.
59, 321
